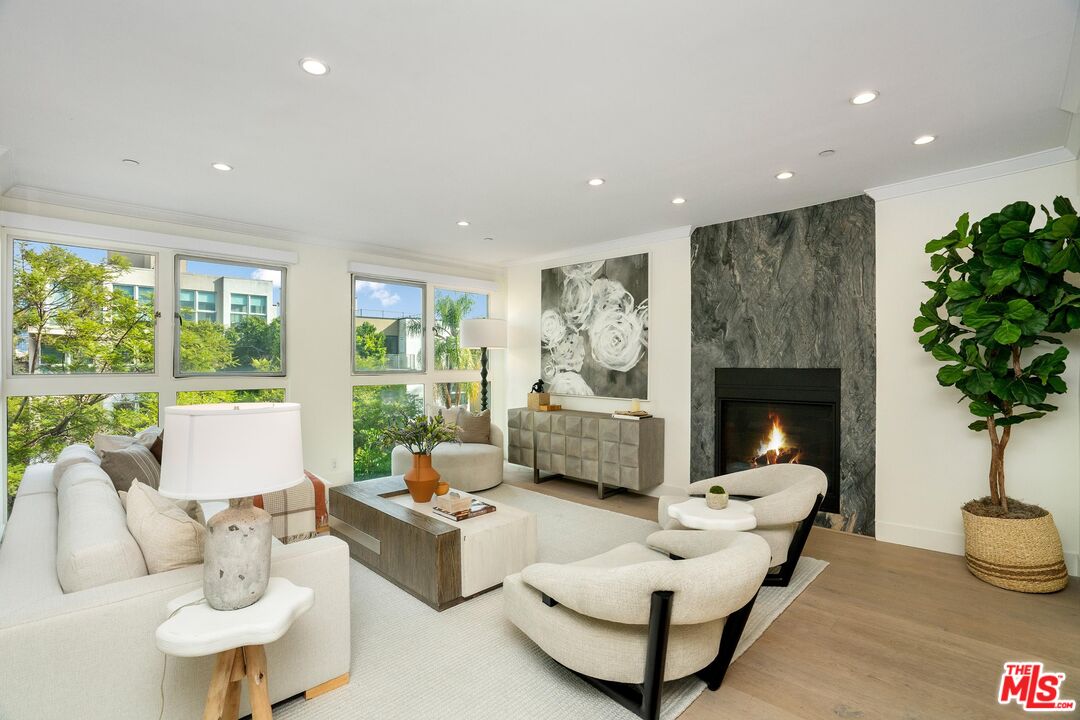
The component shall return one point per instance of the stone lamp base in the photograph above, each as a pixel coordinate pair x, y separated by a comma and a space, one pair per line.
236, 557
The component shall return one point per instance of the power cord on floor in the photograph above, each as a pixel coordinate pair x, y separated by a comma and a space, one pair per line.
165, 662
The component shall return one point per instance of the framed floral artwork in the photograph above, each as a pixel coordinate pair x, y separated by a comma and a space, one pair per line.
594, 328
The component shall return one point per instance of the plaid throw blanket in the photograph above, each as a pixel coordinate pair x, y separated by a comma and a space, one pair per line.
299, 512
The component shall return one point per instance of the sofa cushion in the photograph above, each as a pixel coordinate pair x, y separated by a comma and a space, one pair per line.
168, 537
126, 465
83, 473
72, 455
93, 545
28, 553
471, 427
37, 478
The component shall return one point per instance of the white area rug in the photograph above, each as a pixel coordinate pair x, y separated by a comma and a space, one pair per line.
470, 662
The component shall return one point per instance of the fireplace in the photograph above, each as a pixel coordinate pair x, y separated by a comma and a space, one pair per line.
766, 416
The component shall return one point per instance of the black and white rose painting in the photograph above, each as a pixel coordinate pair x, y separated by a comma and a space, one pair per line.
594, 328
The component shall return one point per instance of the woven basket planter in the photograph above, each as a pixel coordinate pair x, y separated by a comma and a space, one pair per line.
1021, 555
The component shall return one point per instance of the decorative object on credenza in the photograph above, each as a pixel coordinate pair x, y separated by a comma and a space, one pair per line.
483, 333
594, 327
549, 408
1004, 294
233, 451
538, 386
538, 400
716, 498
420, 435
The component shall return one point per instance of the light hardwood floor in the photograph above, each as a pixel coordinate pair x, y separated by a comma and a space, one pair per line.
886, 631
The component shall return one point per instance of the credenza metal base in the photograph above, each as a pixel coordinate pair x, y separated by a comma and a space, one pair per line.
602, 491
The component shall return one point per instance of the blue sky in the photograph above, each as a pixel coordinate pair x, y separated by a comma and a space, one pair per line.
387, 299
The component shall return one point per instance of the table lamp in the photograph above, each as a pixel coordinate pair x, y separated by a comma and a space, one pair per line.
483, 333
232, 452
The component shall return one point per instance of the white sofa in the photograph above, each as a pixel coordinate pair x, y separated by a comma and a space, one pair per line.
91, 654
469, 467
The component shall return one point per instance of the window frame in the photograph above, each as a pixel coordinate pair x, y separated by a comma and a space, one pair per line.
10, 236
178, 320
423, 370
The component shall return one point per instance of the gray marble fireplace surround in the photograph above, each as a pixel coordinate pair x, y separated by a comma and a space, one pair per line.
791, 290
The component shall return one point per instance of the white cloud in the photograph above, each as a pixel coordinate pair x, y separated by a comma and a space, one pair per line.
273, 276
378, 291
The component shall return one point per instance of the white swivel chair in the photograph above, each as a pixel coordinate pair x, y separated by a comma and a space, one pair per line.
631, 618
786, 498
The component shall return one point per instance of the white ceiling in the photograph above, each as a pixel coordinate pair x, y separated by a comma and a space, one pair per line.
498, 111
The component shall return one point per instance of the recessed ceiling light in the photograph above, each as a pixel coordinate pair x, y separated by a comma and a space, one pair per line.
595, 182
314, 66
223, 167
924, 140
129, 161
463, 223
678, 201
786, 175
866, 96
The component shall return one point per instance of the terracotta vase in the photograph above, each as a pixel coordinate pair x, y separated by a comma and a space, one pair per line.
421, 479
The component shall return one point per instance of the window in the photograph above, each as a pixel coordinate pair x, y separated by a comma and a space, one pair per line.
70, 315
451, 307
39, 427
459, 393
198, 305
204, 397
144, 295
375, 406
388, 326
232, 318
243, 305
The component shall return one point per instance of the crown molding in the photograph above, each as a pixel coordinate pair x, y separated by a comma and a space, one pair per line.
963, 176
206, 222
606, 247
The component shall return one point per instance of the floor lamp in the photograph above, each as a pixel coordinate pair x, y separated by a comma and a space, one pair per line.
483, 333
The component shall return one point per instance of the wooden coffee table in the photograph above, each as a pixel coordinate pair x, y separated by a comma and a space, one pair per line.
438, 561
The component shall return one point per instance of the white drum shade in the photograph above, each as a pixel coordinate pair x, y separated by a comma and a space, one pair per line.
231, 450
483, 333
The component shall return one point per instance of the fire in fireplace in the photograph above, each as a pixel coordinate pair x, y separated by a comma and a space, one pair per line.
770, 416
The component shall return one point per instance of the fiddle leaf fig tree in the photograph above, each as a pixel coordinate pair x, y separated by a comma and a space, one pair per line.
999, 300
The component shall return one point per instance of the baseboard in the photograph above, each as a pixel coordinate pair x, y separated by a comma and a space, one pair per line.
942, 541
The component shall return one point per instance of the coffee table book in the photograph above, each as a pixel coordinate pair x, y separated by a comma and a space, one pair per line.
476, 509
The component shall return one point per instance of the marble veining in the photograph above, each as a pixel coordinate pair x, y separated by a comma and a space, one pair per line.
792, 289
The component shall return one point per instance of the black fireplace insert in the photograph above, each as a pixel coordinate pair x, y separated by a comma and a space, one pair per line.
766, 416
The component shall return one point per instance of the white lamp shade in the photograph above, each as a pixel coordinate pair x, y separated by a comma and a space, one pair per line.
217, 452
483, 333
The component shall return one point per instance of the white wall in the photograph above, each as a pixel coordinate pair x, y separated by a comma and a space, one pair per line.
318, 335
928, 462
669, 340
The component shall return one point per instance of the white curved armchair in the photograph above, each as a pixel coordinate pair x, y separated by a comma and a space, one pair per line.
786, 498
631, 618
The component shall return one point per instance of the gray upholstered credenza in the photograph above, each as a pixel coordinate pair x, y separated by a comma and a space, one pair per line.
615, 454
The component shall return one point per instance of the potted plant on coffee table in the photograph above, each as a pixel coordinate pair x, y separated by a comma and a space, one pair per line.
1000, 303
420, 435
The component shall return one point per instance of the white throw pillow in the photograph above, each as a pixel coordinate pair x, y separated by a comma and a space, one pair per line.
73, 455
168, 537
104, 443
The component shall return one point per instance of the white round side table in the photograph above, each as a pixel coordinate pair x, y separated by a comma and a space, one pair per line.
237, 637
696, 514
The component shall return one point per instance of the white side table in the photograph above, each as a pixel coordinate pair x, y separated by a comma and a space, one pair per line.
695, 513
237, 636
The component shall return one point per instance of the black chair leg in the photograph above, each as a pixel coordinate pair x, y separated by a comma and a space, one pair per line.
713, 673
798, 541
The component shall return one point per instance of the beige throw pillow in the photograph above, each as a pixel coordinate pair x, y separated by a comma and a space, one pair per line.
474, 427
104, 443
168, 537
132, 463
